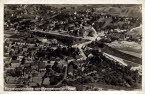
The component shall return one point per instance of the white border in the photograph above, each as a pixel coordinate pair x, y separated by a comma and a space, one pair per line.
2, 2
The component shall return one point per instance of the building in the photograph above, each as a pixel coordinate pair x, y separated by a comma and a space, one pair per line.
15, 63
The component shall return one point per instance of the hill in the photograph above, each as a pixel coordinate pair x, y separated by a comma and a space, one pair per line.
136, 32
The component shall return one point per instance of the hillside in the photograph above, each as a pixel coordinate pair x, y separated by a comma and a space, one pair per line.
135, 32
127, 10
124, 11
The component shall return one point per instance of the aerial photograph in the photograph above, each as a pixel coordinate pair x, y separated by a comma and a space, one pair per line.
72, 47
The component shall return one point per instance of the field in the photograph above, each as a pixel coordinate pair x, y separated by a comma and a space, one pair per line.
131, 48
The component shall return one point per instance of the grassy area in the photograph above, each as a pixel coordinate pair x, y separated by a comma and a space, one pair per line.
120, 54
139, 55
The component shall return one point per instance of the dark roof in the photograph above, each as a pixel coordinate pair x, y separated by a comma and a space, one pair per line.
15, 61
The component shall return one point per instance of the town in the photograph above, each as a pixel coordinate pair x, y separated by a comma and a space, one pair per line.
69, 46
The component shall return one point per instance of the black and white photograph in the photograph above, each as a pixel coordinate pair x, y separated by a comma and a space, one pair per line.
72, 47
